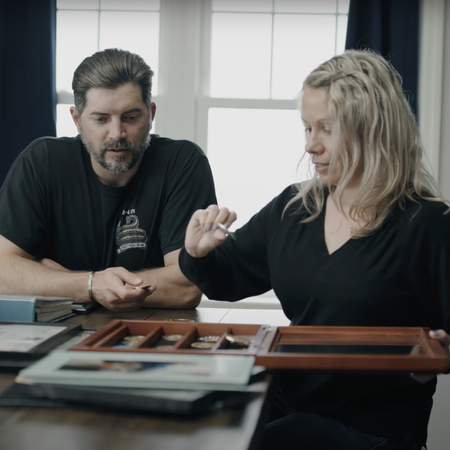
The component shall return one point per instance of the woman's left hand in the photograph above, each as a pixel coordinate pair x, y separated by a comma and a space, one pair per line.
444, 340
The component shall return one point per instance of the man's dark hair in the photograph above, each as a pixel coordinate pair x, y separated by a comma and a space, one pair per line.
110, 69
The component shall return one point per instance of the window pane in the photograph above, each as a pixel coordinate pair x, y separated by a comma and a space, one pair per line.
242, 5
300, 44
341, 34
343, 6
140, 5
76, 38
77, 4
64, 122
240, 55
306, 6
256, 159
133, 31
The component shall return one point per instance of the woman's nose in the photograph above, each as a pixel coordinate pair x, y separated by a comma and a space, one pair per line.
313, 143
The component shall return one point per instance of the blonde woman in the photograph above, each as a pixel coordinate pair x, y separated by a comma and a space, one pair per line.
365, 242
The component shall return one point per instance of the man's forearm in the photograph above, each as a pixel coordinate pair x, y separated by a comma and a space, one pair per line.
22, 276
173, 290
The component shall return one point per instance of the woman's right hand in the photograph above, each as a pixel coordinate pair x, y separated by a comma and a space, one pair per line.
202, 233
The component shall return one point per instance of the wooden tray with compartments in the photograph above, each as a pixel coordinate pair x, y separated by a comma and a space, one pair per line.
296, 347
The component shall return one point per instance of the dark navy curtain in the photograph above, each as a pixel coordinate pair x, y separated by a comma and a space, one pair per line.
27, 75
390, 27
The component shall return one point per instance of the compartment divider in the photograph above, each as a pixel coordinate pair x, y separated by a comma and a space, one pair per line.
90, 341
112, 338
151, 338
187, 339
222, 342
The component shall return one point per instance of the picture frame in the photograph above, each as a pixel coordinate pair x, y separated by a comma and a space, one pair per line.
328, 348
141, 370
22, 343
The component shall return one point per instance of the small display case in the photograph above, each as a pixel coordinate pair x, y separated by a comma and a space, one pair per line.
296, 347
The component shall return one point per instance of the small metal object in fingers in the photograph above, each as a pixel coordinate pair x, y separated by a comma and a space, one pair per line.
226, 230
144, 287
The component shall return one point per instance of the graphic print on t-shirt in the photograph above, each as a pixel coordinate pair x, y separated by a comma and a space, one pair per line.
130, 235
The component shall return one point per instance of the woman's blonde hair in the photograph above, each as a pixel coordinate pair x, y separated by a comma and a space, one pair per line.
372, 127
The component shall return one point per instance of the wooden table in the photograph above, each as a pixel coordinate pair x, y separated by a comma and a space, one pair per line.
54, 429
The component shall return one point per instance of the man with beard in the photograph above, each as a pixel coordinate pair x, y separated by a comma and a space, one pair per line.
99, 216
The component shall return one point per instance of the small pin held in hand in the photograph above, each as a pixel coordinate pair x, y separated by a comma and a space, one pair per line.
144, 287
226, 230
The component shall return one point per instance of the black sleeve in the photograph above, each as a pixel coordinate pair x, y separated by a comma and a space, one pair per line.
238, 268
23, 206
429, 263
191, 187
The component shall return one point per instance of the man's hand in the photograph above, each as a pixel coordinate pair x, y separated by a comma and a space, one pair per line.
118, 289
444, 340
112, 288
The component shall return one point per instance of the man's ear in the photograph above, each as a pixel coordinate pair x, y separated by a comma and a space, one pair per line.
75, 117
153, 110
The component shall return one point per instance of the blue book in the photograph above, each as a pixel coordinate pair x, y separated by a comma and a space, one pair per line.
16, 308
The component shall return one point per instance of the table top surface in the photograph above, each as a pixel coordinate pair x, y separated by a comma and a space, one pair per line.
49, 428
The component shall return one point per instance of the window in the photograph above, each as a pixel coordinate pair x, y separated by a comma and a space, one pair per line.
86, 26
261, 51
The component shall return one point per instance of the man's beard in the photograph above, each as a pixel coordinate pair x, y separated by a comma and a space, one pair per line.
120, 165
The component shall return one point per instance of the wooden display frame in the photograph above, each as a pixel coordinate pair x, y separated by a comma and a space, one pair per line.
397, 348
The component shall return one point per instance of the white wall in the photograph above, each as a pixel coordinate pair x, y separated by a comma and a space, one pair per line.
437, 144
444, 156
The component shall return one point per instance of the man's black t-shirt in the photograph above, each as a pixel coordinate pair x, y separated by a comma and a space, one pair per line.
53, 205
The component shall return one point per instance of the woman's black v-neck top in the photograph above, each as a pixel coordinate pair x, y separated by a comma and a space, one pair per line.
398, 276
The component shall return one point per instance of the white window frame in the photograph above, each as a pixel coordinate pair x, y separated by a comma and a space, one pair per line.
184, 100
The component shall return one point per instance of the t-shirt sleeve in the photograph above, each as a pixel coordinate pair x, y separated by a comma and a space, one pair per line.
190, 187
23, 217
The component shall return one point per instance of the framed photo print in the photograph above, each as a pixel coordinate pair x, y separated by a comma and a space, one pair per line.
22, 343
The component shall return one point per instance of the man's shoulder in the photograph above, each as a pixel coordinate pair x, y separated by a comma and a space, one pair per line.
175, 146
52, 146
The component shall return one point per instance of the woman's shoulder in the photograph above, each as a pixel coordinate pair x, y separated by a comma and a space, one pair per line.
427, 214
285, 204
286, 197
426, 208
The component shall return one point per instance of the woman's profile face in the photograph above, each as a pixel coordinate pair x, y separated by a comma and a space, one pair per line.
319, 141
